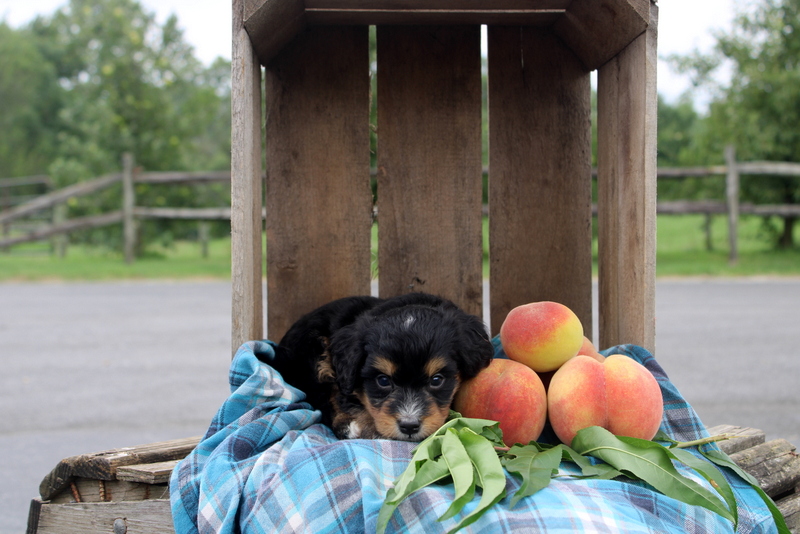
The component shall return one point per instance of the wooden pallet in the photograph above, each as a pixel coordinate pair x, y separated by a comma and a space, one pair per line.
125, 491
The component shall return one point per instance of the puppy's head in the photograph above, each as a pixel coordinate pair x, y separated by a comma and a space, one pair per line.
405, 364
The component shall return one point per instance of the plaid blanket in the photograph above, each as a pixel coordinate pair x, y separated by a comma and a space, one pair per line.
267, 465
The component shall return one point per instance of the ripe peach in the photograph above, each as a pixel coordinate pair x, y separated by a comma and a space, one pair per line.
588, 349
511, 394
542, 335
619, 394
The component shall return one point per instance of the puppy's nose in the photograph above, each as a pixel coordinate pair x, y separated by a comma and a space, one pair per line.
409, 426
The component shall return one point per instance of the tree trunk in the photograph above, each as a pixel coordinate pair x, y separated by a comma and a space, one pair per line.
786, 239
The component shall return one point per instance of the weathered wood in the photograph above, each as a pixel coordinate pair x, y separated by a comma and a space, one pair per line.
150, 473
597, 30
179, 177
182, 213
92, 490
70, 225
103, 465
626, 182
540, 188
144, 517
790, 508
775, 464
246, 188
61, 195
272, 24
732, 201
319, 203
429, 162
745, 437
39, 179
128, 203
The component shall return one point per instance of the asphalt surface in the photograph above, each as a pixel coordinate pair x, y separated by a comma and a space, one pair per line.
86, 367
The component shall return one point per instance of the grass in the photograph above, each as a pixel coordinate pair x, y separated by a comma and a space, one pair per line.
680, 240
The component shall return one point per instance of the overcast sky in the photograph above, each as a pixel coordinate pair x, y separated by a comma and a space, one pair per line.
684, 25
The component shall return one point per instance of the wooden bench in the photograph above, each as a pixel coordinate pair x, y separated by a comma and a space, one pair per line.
125, 490
312, 58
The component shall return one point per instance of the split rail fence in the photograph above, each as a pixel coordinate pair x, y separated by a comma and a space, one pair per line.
56, 201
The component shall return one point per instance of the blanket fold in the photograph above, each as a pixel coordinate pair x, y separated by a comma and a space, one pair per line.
267, 465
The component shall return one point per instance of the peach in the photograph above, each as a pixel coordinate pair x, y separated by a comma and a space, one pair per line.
511, 394
619, 394
542, 335
588, 349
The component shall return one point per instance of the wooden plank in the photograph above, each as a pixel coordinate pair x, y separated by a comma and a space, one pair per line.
732, 202
598, 30
790, 508
381, 16
71, 225
128, 203
103, 465
246, 188
540, 189
775, 465
180, 177
272, 24
319, 203
144, 517
61, 195
429, 162
626, 181
152, 473
182, 213
745, 437
93, 490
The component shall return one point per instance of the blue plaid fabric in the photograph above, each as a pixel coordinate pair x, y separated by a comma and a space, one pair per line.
267, 465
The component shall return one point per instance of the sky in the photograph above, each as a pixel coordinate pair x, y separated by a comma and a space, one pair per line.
684, 25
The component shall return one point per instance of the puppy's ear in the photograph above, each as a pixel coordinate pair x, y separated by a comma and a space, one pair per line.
347, 357
476, 350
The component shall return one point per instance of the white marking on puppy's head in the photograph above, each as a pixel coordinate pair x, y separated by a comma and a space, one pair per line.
408, 321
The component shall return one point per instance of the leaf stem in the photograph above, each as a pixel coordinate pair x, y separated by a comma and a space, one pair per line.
704, 441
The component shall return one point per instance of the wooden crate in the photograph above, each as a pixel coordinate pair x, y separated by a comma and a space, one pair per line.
124, 491
116, 491
312, 56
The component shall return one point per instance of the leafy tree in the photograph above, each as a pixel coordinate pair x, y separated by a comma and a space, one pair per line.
760, 110
127, 84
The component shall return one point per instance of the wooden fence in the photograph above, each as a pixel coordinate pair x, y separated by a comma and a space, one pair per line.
127, 214
56, 200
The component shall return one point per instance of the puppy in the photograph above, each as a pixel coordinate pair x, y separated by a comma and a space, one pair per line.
383, 368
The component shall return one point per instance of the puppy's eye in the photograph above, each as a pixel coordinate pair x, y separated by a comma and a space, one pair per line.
383, 381
437, 381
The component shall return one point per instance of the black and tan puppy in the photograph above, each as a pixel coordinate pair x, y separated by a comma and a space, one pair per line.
383, 368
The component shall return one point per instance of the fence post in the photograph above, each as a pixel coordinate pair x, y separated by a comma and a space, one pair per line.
128, 202
60, 240
732, 198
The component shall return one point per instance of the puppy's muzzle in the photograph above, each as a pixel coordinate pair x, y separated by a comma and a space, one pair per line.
409, 425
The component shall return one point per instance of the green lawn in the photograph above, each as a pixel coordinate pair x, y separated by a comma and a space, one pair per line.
681, 252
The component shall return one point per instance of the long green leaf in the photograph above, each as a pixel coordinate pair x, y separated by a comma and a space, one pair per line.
714, 477
602, 471
723, 460
489, 471
460, 466
429, 472
536, 469
649, 462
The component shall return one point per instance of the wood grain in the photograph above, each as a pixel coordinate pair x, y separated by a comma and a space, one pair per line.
142, 517
626, 182
319, 203
246, 188
429, 162
540, 215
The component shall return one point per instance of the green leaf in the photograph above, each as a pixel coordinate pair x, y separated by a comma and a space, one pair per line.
602, 471
489, 471
460, 466
714, 477
649, 462
536, 468
723, 460
430, 471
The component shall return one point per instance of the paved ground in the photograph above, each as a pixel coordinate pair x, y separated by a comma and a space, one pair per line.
90, 366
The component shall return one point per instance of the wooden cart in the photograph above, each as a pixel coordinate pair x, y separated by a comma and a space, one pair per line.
312, 59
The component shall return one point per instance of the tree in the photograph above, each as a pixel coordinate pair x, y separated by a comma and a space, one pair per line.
759, 110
